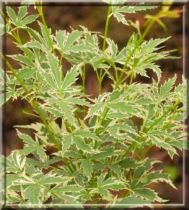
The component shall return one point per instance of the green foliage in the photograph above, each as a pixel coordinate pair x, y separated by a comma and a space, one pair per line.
119, 11
21, 19
97, 153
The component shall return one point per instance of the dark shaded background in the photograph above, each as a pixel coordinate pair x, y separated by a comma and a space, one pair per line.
93, 17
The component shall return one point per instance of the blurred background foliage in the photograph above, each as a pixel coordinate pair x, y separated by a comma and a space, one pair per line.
93, 17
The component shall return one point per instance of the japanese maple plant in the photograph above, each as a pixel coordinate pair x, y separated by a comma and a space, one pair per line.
84, 150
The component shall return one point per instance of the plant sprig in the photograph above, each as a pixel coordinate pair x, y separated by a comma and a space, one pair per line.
97, 153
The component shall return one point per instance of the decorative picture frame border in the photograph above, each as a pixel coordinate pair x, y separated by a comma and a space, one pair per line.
185, 5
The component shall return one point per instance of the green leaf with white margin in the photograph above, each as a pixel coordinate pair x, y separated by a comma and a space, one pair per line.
15, 162
13, 197
134, 201
61, 38
112, 48
103, 154
81, 144
155, 177
98, 106
68, 112
66, 143
72, 38
71, 77
154, 44
87, 167
47, 41
32, 146
21, 19
55, 68
26, 73
68, 188
22, 12
121, 131
109, 183
120, 18
142, 169
50, 179
65, 41
122, 107
11, 13
28, 20
119, 12
145, 57
132, 9
68, 194
148, 194
113, 184
22, 60
31, 193
167, 87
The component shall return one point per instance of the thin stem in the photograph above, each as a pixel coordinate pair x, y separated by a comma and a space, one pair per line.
83, 76
107, 26
41, 14
99, 86
112, 65
147, 30
123, 80
100, 76
61, 60
15, 74
131, 77
171, 108
34, 103
104, 115
17, 37
144, 34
